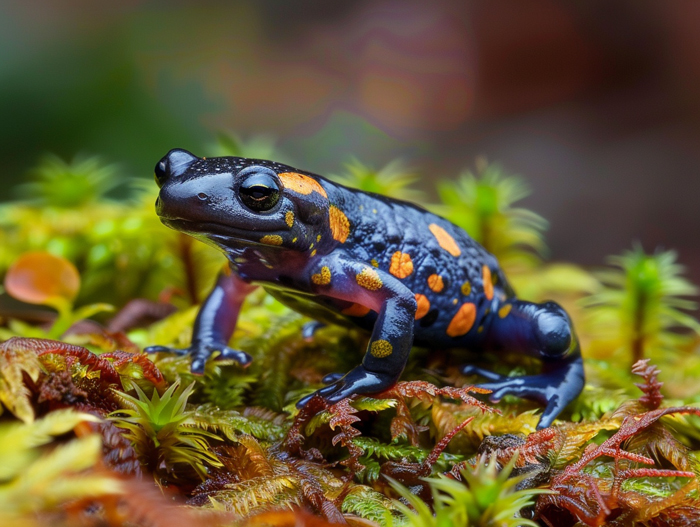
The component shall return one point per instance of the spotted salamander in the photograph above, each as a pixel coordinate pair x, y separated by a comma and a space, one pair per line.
341, 255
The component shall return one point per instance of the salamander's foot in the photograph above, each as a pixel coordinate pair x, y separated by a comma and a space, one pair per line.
357, 381
201, 351
555, 388
308, 330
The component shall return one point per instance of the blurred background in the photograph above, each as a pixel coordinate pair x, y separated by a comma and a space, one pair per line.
596, 103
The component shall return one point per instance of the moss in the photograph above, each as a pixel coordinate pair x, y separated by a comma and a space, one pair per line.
124, 438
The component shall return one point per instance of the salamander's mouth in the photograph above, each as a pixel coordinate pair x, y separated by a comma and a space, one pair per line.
216, 232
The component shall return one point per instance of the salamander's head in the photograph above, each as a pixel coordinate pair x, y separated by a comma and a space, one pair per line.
234, 202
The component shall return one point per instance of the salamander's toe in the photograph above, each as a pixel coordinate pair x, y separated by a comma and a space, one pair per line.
165, 349
332, 377
470, 369
357, 381
240, 357
554, 407
198, 364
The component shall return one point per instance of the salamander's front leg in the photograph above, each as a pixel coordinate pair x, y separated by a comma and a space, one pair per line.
215, 324
392, 337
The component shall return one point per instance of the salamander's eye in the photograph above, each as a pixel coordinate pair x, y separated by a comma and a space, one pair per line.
259, 192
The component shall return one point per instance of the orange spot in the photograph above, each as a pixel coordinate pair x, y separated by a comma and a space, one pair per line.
301, 184
289, 218
505, 310
271, 239
369, 279
435, 283
463, 321
488, 284
381, 349
356, 310
340, 225
401, 265
445, 241
322, 278
423, 306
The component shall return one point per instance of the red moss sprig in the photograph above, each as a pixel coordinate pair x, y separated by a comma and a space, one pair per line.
150, 371
583, 495
73, 354
410, 473
342, 417
651, 386
403, 423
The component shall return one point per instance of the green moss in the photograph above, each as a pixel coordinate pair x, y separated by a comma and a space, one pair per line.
232, 442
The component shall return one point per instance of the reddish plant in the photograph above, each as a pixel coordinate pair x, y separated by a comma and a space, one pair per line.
651, 386
410, 473
403, 423
595, 501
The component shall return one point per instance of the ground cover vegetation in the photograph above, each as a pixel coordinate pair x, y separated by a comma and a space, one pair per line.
94, 432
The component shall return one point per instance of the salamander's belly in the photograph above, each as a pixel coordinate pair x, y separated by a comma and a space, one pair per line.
323, 309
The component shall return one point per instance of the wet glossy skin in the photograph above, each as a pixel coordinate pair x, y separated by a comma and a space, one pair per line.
344, 256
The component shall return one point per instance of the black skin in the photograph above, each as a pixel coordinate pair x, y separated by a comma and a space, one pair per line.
343, 256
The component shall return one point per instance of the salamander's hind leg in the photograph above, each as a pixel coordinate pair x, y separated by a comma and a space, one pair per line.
543, 331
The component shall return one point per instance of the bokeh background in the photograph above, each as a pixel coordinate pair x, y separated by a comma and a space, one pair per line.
596, 102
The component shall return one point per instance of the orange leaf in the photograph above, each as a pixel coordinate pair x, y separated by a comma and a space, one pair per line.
42, 278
